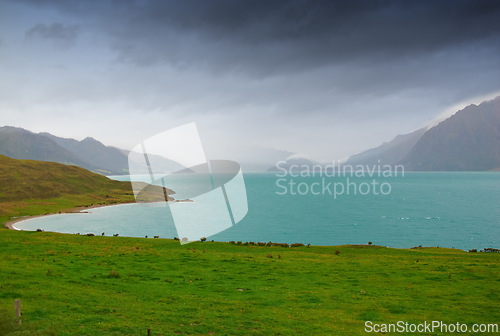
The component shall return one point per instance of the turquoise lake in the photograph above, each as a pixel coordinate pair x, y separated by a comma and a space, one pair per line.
445, 209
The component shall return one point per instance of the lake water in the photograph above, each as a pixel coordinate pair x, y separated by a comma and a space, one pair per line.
446, 209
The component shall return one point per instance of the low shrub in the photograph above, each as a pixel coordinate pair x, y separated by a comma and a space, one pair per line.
114, 274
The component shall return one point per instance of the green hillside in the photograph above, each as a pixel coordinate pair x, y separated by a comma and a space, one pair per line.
25, 179
30, 188
36, 187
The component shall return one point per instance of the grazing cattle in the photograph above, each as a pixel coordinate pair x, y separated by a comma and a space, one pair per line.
115, 235
102, 234
156, 237
145, 236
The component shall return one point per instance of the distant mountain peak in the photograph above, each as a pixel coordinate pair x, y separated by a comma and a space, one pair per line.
90, 140
467, 140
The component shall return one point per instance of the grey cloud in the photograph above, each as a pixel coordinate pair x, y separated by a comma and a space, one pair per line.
61, 34
352, 47
271, 37
280, 36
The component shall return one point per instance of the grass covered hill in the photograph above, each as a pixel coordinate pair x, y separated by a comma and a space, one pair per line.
30, 188
25, 179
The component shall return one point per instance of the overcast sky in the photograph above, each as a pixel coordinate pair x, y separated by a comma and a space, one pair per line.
324, 79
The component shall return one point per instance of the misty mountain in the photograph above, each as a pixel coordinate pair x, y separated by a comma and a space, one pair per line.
389, 152
258, 159
88, 153
159, 163
294, 163
106, 159
18, 143
468, 140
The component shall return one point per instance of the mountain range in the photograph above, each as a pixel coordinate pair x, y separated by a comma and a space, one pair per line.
88, 153
469, 140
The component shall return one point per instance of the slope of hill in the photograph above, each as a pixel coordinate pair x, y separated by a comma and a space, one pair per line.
27, 179
389, 152
36, 187
467, 141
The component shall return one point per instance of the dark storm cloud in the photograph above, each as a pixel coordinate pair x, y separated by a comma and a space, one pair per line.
61, 34
275, 37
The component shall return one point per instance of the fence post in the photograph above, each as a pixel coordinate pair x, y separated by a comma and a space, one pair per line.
18, 310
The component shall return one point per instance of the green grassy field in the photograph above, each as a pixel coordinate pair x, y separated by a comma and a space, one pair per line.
80, 285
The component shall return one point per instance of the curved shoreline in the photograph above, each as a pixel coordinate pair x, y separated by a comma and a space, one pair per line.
10, 224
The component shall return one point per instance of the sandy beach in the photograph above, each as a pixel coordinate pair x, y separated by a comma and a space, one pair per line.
10, 224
